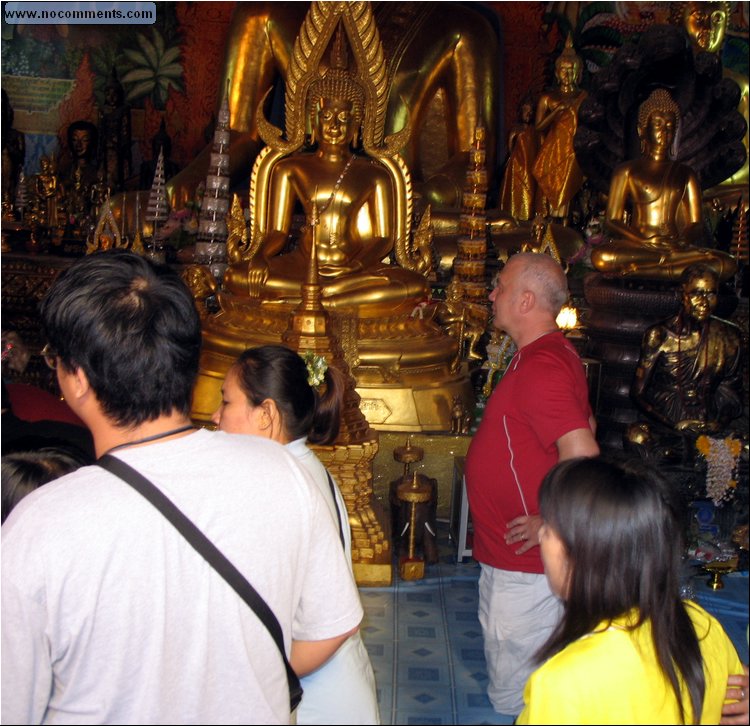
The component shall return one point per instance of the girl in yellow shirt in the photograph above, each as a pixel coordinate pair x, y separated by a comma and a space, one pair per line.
628, 649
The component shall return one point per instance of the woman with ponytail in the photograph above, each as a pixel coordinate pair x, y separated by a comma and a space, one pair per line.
272, 392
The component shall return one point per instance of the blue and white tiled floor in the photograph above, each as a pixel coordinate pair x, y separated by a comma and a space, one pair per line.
425, 644
425, 641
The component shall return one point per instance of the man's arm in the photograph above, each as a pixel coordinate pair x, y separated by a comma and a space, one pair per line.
579, 442
525, 529
308, 655
26, 669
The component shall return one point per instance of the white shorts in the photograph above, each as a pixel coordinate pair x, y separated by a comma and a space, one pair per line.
517, 612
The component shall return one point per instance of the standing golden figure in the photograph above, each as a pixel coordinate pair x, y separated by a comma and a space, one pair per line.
48, 193
519, 186
654, 208
555, 168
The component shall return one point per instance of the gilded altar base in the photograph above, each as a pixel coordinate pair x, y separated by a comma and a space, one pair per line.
395, 364
405, 368
351, 466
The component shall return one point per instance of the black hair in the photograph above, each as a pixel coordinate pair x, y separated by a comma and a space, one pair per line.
25, 471
278, 373
131, 325
621, 529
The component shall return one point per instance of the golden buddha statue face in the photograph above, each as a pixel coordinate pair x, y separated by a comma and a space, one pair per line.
706, 24
699, 296
568, 66
658, 119
567, 72
335, 122
661, 127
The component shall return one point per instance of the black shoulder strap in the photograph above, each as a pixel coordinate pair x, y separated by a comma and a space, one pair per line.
211, 554
336, 507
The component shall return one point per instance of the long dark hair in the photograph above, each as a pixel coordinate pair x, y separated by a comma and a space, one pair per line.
622, 535
278, 373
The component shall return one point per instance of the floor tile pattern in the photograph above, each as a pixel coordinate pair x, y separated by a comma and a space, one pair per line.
425, 644
425, 641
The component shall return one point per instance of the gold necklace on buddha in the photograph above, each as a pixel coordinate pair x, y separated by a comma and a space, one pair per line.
336, 187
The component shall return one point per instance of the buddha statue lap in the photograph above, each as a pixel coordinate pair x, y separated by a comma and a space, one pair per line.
654, 207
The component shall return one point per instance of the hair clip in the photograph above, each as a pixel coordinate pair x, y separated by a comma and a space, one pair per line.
317, 366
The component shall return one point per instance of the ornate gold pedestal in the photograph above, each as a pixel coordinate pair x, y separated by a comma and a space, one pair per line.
351, 466
403, 367
717, 569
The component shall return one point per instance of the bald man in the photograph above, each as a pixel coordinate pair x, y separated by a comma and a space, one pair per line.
538, 414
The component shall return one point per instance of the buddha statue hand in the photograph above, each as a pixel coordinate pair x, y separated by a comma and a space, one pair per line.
257, 276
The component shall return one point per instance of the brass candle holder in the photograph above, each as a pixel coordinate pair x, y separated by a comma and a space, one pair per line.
717, 568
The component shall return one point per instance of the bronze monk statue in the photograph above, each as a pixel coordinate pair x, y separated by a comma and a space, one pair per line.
654, 207
349, 202
689, 377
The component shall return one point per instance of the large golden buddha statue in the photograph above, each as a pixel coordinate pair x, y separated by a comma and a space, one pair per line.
353, 240
350, 205
654, 206
442, 62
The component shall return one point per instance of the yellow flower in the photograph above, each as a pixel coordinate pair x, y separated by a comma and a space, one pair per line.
703, 444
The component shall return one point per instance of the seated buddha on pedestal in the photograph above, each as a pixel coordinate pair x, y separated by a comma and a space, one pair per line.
351, 191
654, 207
350, 207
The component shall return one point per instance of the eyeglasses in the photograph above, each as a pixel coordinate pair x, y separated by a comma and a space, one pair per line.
50, 357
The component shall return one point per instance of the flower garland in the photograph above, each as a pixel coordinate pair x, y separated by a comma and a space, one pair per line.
317, 366
721, 457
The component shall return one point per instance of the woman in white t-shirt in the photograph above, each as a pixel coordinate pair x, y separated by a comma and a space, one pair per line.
271, 391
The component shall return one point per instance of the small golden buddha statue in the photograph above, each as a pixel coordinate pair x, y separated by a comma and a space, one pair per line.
519, 186
689, 377
555, 168
654, 207
350, 208
48, 192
